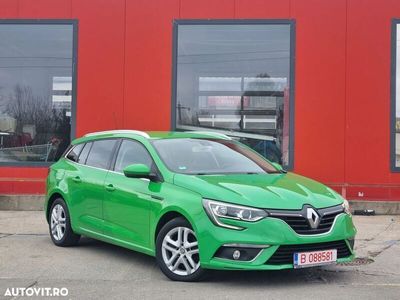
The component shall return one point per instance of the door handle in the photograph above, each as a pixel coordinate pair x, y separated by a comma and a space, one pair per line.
110, 187
77, 179
157, 197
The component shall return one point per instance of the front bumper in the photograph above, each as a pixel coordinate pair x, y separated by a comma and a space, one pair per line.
269, 231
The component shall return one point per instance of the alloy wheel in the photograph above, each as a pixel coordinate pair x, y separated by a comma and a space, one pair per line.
180, 251
58, 222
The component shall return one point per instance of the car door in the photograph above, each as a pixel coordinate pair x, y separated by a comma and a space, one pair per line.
127, 200
76, 157
88, 193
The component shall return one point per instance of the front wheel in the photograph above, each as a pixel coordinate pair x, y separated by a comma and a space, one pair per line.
177, 251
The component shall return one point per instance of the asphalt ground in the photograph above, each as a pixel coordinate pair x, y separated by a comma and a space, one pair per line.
96, 270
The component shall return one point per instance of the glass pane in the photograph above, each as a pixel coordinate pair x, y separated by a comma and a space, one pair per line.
220, 84
100, 154
84, 153
397, 126
35, 91
235, 79
132, 153
203, 156
74, 153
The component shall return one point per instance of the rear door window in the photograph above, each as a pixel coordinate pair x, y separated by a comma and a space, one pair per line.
74, 153
84, 153
100, 154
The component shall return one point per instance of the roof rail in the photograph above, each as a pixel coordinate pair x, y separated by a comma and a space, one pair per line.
212, 133
121, 131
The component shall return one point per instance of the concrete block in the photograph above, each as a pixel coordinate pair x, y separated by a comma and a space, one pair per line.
380, 207
21, 202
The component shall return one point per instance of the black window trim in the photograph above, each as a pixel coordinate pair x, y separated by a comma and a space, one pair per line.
74, 23
392, 124
291, 22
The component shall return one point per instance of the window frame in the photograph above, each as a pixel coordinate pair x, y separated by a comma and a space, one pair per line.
89, 145
113, 151
70, 149
115, 157
116, 152
290, 22
393, 70
74, 23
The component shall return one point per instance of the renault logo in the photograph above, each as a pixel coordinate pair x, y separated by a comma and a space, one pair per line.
313, 218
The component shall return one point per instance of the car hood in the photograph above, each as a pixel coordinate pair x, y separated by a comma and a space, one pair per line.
276, 191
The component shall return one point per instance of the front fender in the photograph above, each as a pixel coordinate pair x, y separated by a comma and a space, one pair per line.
177, 200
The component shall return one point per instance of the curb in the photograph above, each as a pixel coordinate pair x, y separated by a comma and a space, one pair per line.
22, 202
380, 207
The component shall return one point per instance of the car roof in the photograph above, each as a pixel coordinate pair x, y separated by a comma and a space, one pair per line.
150, 135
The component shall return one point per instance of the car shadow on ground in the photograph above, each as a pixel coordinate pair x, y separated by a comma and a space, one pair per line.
317, 275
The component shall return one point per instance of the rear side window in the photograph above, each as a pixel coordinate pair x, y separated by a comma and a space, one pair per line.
130, 153
100, 154
84, 153
74, 153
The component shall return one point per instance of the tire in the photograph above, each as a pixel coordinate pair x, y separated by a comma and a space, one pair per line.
59, 219
181, 253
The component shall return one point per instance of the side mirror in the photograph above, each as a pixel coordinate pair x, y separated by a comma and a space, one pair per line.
279, 167
137, 171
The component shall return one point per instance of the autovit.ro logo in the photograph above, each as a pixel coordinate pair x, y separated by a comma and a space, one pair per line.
36, 291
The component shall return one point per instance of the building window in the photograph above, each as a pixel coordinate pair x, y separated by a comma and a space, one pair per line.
395, 118
236, 77
36, 90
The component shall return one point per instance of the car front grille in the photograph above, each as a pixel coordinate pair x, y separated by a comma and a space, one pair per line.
297, 219
284, 254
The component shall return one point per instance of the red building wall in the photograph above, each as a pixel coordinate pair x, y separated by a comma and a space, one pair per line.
342, 79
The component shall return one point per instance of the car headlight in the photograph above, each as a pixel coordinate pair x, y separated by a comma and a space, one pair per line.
346, 207
220, 210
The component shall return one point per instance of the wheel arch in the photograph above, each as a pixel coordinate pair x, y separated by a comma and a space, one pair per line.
170, 214
55, 195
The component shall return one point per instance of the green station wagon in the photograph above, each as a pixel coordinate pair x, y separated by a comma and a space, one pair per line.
195, 201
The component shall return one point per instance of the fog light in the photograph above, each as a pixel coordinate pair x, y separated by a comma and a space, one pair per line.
239, 252
236, 254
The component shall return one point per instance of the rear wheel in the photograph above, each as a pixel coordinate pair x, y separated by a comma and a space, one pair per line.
60, 225
177, 251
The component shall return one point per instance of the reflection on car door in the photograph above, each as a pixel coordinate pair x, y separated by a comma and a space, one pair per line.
127, 200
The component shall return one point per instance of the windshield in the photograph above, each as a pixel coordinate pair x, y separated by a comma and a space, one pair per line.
210, 156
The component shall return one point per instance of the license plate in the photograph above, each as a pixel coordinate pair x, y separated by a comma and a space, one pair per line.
314, 258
